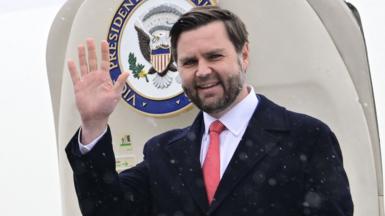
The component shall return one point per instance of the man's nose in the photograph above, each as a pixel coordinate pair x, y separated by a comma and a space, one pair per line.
203, 69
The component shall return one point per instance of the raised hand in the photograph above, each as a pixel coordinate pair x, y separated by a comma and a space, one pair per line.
95, 94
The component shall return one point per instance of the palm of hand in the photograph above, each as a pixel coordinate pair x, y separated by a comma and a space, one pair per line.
95, 95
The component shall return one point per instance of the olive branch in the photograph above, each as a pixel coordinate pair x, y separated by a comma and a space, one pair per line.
137, 69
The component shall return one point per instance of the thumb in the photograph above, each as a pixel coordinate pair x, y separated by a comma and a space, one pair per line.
119, 84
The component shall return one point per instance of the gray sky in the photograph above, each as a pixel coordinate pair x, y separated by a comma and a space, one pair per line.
25, 4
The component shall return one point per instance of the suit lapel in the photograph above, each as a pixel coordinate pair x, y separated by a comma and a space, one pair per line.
259, 139
184, 153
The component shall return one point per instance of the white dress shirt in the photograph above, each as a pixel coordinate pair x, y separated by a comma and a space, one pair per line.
85, 148
235, 121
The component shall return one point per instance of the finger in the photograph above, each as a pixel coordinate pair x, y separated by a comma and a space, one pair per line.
105, 64
119, 84
82, 60
73, 71
92, 61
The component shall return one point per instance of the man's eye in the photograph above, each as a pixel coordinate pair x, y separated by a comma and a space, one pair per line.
189, 63
215, 56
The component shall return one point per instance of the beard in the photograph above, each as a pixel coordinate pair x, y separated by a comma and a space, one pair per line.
231, 85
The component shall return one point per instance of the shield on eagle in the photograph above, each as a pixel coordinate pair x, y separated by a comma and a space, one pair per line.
160, 59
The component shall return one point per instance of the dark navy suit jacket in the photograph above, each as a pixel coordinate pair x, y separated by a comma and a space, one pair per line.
287, 164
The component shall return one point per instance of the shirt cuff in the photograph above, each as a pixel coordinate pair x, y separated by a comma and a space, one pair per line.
85, 148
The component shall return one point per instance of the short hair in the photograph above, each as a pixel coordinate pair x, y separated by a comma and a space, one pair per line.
200, 16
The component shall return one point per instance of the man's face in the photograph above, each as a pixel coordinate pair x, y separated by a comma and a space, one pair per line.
212, 71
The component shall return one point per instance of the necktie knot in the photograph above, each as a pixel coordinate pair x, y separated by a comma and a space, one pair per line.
216, 127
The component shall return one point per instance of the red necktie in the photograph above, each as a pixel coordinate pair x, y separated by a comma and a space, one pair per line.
211, 165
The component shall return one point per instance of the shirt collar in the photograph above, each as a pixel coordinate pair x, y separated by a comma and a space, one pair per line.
238, 117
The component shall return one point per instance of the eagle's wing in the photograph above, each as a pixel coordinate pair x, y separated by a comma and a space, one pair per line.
144, 43
171, 65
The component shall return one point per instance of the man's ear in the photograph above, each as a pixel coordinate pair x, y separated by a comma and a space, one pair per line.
245, 56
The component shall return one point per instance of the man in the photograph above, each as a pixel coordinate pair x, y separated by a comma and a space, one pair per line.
243, 154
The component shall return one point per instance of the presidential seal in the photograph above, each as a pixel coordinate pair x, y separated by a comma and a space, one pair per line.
139, 43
